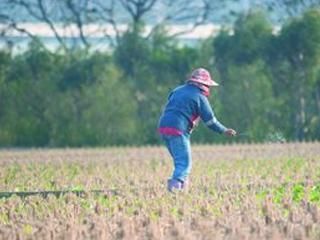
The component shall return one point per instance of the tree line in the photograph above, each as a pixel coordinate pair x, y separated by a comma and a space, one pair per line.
270, 86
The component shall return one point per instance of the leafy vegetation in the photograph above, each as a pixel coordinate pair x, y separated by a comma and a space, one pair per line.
270, 86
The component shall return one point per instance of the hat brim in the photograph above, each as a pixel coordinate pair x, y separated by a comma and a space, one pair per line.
209, 83
213, 83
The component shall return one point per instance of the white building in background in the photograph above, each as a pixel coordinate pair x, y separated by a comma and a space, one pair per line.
95, 34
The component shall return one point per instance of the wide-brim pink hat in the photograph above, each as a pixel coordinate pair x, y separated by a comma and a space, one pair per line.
201, 75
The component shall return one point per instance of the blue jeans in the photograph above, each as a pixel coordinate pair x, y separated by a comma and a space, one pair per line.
180, 150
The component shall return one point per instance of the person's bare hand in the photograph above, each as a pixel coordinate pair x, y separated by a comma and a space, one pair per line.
230, 132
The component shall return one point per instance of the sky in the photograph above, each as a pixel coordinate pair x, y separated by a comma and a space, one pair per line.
223, 9
217, 18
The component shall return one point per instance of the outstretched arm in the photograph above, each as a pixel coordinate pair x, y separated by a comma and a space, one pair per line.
208, 117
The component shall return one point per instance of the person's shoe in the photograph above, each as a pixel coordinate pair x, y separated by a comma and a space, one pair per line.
174, 185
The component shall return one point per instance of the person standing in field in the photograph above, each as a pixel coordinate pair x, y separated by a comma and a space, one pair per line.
186, 105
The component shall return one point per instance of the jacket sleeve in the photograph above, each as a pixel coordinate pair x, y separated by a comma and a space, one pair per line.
208, 117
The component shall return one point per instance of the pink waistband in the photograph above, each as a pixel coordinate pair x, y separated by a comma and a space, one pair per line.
169, 131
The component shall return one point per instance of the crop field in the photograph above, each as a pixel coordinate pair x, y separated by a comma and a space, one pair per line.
249, 191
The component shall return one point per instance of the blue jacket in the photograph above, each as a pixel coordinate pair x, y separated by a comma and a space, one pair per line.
186, 105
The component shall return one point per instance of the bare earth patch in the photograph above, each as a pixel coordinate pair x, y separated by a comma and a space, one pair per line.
250, 191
